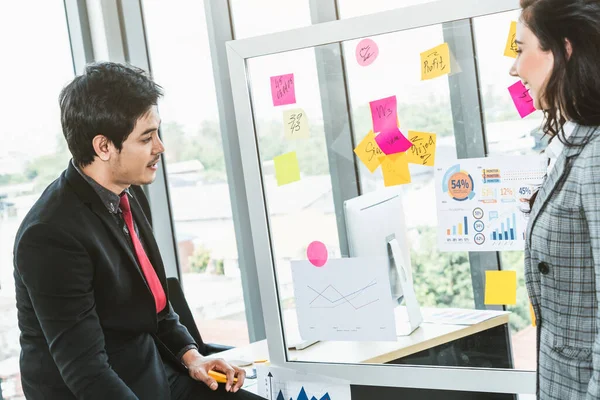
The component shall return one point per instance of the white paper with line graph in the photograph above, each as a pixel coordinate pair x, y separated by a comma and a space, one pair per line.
346, 299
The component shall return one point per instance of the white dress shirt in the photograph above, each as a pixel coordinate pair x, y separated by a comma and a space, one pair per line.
556, 146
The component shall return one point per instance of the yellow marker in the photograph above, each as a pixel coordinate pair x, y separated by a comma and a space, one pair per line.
287, 169
532, 314
260, 361
423, 150
369, 152
295, 124
511, 46
394, 168
500, 288
435, 62
219, 376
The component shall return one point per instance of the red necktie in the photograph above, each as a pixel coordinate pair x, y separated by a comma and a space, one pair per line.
160, 299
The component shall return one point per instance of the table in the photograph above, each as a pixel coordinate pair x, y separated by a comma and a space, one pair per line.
422, 347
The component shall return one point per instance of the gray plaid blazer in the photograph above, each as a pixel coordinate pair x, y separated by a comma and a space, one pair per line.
562, 272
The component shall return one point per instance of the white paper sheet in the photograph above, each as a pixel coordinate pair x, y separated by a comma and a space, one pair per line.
276, 383
481, 202
346, 299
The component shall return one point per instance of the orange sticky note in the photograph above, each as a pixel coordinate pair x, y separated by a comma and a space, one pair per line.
394, 168
532, 314
435, 62
500, 288
369, 152
287, 169
422, 151
511, 46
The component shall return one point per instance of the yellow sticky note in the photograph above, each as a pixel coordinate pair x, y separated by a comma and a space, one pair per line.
369, 152
287, 169
422, 151
532, 314
435, 62
511, 46
295, 124
500, 288
394, 168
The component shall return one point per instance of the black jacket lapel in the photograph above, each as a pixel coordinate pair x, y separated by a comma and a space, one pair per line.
90, 198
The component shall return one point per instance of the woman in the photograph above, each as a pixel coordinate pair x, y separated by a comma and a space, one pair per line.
559, 62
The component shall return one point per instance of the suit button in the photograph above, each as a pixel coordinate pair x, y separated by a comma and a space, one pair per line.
543, 267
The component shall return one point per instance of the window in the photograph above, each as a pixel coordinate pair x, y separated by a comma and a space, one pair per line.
179, 51
259, 17
37, 65
303, 212
422, 106
508, 134
351, 8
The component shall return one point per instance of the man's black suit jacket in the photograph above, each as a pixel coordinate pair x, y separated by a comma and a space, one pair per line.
89, 328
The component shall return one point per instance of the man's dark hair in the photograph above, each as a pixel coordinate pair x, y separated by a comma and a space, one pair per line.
107, 99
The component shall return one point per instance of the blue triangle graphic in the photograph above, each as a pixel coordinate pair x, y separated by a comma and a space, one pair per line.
302, 395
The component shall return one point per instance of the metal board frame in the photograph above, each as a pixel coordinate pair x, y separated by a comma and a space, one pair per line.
238, 52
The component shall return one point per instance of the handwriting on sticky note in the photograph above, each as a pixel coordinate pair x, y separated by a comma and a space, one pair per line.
369, 152
511, 45
521, 98
423, 148
295, 124
500, 288
394, 169
384, 114
393, 141
282, 89
435, 62
287, 169
366, 52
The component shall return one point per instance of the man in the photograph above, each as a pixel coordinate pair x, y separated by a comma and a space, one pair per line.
92, 298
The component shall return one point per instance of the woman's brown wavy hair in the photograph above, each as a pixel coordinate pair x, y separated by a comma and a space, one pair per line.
572, 91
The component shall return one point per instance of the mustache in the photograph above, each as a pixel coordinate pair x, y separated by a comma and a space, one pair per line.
157, 159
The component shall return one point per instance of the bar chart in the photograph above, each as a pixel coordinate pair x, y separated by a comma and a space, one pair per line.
507, 229
460, 229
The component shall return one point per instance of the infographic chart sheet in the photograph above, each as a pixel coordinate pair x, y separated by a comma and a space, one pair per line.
276, 383
346, 299
483, 203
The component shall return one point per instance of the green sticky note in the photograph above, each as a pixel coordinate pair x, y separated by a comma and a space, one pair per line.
287, 169
500, 288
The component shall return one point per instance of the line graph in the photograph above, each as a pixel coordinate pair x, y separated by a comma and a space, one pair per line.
333, 298
346, 299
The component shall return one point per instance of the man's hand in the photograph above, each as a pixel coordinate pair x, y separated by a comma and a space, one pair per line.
198, 367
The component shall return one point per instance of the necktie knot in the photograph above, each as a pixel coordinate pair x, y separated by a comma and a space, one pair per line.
124, 204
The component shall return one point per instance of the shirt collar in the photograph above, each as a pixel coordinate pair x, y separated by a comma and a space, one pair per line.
555, 147
109, 199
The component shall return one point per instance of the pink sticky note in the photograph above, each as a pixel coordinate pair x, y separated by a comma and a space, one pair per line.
384, 114
393, 141
282, 89
366, 52
317, 253
522, 99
